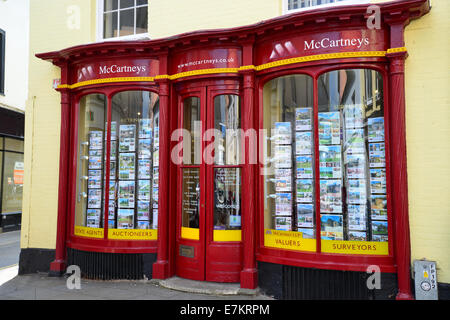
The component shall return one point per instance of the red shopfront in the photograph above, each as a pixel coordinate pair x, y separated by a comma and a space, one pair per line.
272, 155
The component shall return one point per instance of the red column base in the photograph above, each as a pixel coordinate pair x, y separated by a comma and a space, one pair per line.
160, 270
249, 279
404, 296
57, 268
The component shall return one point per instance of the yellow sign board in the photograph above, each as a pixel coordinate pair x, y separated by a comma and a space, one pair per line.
132, 234
88, 232
227, 235
355, 247
292, 240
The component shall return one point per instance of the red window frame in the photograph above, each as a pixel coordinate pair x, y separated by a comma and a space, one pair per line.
317, 259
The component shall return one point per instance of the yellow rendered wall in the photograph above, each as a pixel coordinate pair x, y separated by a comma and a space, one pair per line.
54, 25
168, 18
428, 134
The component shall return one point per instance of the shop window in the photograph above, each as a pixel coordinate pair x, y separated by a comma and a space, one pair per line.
353, 202
90, 161
289, 192
346, 199
12, 182
132, 192
122, 18
134, 166
13, 144
298, 5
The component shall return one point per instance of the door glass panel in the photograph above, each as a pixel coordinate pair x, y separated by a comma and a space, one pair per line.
227, 133
91, 148
192, 153
190, 211
227, 199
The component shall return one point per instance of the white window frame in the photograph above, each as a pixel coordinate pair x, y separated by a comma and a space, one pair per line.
339, 3
99, 27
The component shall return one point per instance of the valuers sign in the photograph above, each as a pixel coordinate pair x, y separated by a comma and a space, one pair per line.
117, 68
293, 240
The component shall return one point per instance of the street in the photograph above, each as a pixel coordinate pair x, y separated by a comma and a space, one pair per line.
9, 248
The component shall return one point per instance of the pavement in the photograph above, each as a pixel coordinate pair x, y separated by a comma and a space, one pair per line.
42, 287
9, 248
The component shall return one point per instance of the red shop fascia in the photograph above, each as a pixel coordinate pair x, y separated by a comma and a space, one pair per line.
238, 61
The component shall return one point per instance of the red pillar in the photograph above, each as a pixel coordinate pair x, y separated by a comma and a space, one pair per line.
249, 275
399, 173
161, 266
58, 266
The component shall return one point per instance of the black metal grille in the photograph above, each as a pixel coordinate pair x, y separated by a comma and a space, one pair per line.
107, 266
317, 284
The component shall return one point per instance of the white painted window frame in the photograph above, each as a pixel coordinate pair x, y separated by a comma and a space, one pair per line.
99, 27
339, 3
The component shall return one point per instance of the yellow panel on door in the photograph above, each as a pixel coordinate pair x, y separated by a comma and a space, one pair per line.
190, 233
227, 235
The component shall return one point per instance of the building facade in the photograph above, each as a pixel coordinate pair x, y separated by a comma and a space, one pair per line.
13, 95
279, 145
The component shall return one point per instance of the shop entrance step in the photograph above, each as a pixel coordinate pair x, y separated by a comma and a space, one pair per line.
204, 287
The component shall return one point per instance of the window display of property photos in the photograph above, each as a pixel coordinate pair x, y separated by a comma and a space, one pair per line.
351, 160
289, 195
133, 162
134, 174
90, 164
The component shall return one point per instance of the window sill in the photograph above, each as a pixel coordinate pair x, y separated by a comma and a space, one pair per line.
135, 37
322, 6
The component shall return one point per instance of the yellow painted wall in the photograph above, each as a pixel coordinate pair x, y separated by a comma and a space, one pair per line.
427, 134
168, 18
53, 26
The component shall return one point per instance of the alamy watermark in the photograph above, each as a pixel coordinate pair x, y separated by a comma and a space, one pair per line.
74, 279
374, 17
374, 280
73, 21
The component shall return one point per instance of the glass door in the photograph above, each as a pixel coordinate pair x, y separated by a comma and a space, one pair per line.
209, 175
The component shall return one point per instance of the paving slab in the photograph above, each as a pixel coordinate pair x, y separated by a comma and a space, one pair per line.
42, 287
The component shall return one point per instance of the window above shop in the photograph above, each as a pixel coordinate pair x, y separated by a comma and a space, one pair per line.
290, 6
122, 19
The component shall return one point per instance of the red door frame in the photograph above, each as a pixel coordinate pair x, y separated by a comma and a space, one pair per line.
192, 267
213, 261
224, 259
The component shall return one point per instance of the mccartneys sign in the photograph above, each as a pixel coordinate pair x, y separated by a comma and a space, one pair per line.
121, 69
329, 43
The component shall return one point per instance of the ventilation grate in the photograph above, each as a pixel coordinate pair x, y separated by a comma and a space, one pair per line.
107, 266
316, 284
